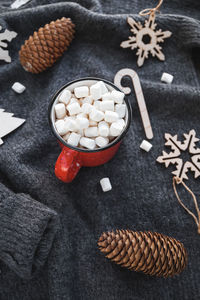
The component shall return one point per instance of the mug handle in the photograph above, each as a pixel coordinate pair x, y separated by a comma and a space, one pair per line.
67, 165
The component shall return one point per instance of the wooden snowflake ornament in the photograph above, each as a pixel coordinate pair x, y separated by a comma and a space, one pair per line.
146, 38
189, 144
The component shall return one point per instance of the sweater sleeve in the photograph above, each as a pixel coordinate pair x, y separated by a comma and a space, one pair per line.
27, 231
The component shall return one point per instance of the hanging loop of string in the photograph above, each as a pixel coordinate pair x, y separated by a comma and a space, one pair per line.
177, 180
149, 11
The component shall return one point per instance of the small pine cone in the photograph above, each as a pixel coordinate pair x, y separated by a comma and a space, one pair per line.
148, 252
46, 45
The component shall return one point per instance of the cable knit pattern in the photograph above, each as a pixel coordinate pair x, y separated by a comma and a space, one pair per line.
27, 232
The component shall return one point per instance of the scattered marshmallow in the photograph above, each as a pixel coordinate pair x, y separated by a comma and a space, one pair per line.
81, 91
91, 132
145, 145
105, 184
96, 91
18, 87
120, 110
65, 97
117, 96
167, 78
60, 110
74, 139
107, 105
103, 129
101, 141
111, 116
87, 143
73, 108
96, 115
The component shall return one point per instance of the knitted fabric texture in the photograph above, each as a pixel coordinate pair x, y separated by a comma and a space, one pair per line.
49, 229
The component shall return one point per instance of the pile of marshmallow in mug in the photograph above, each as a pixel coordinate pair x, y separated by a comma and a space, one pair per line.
90, 117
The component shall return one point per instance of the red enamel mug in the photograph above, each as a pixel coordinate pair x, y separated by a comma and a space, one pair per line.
73, 158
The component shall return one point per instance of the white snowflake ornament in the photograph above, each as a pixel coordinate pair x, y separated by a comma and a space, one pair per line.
6, 36
177, 147
146, 38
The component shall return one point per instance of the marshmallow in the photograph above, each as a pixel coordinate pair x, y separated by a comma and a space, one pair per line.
60, 110
87, 143
106, 97
81, 132
167, 78
96, 115
82, 91
71, 125
86, 108
96, 91
74, 139
97, 104
73, 100
91, 132
116, 129
111, 116
61, 127
88, 99
121, 122
103, 128
92, 123
105, 184
83, 123
81, 115
18, 87
101, 141
117, 96
65, 96
103, 87
65, 137
69, 118
120, 110
74, 108
145, 145
107, 105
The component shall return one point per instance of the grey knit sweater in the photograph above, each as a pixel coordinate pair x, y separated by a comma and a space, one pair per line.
49, 229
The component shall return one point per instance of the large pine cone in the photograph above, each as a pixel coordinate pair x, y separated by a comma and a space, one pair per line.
148, 252
46, 45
